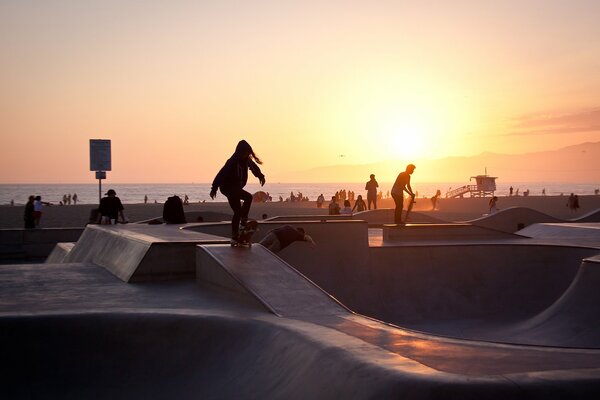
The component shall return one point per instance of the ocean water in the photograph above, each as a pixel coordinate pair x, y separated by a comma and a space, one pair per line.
198, 192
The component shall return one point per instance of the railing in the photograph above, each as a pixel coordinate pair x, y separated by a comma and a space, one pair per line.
461, 190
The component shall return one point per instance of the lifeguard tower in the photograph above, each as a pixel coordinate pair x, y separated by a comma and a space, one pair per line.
485, 186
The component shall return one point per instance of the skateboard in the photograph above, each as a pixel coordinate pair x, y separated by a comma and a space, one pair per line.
245, 235
409, 209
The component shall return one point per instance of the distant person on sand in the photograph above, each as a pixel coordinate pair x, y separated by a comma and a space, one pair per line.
371, 188
573, 202
146, 199
360, 204
280, 238
110, 209
320, 200
334, 207
347, 210
402, 185
29, 216
435, 199
231, 180
493, 205
510, 191
75, 199
37, 209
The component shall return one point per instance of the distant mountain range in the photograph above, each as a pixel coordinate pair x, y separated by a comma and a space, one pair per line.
577, 164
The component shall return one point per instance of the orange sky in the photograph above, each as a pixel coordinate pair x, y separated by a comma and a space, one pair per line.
175, 84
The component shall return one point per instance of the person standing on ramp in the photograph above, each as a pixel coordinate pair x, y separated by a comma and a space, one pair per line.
231, 180
402, 185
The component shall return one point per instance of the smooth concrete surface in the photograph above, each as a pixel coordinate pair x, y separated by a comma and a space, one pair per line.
59, 253
136, 252
266, 277
386, 216
75, 330
454, 231
513, 219
590, 230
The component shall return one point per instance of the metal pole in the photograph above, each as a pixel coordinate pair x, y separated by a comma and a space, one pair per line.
99, 190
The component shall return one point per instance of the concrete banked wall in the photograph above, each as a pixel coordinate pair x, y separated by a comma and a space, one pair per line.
139, 252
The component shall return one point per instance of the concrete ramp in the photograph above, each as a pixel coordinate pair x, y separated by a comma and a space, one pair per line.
137, 253
386, 216
572, 320
436, 232
590, 231
513, 219
262, 276
592, 216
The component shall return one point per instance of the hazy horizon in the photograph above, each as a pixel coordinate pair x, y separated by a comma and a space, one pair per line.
175, 85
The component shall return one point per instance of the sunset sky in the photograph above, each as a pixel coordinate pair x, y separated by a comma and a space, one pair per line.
175, 84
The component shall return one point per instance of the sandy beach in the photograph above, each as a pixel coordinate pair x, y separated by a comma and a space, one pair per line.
448, 210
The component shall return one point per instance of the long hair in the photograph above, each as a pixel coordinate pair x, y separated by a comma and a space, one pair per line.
243, 147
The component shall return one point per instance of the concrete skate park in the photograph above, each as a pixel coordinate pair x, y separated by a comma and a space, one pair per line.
505, 306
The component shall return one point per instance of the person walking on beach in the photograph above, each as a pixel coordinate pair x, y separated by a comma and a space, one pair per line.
371, 188
360, 204
74, 199
29, 214
110, 209
280, 238
402, 185
231, 180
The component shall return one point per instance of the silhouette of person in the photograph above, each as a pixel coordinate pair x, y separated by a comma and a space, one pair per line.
334, 207
347, 210
360, 204
510, 191
110, 209
231, 180
402, 185
371, 188
280, 238
75, 199
37, 209
320, 200
435, 198
493, 205
146, 199
29, 213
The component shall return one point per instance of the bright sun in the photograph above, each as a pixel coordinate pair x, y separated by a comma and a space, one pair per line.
407, 134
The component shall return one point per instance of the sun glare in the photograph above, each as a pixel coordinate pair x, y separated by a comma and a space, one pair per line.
407, 133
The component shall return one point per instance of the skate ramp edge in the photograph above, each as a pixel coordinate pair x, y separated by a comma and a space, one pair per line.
513, 219
450, 231
262, 276
572, 319
136, 253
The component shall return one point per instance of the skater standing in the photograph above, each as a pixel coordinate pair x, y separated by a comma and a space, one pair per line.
231, 180
402, 185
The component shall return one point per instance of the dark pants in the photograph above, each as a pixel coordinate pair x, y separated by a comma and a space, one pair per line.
372, 200
235, 196
399, 200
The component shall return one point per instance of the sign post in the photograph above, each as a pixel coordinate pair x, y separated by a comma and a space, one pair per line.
100, 161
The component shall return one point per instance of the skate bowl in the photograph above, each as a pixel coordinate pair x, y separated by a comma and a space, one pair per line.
506, 293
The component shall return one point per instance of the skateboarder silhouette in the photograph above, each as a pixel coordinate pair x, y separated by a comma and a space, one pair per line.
231, 180
402, 185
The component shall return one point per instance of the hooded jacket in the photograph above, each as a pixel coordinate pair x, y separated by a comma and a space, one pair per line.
235, 171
